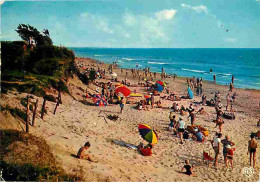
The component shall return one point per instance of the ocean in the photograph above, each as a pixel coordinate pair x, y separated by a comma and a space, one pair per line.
244, 64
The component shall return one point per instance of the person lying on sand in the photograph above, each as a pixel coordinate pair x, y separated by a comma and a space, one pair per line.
82, 153
189, 168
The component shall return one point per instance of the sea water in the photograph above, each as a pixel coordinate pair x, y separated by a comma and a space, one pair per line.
244, 64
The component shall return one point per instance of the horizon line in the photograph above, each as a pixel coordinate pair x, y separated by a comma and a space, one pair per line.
166, 47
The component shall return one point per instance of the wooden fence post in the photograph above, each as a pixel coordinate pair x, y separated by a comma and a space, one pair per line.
34, 112
43, 107
58, 102
27, 116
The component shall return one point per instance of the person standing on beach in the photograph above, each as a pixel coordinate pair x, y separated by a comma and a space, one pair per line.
152, 100
216, 146
231, 86
228, 101
122, 104
214, 78
225, 142
232, 79
192, 117
252, 146
181, 129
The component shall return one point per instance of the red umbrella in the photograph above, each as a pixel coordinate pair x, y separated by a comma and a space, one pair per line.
124, 90
160, 82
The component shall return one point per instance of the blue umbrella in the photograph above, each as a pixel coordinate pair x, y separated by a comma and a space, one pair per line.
158, 87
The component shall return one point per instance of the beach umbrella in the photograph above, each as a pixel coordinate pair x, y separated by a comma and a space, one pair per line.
158, 87
99, 101
160, 82
147, 133
163, 84
124, 90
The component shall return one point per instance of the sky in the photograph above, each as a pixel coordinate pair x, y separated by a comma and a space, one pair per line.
139, 23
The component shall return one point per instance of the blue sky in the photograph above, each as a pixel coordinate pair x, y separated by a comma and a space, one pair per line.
136, 23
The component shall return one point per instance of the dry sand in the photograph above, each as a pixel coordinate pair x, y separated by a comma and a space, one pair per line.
76, 123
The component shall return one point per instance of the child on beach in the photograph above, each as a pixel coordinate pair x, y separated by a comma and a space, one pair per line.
145, 151
189, 168
230, 154
122, 104
82, 153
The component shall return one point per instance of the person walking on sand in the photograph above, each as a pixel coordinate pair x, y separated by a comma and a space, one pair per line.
181, 129
252, 146
219, 123
225, 142
82, 153
216, 146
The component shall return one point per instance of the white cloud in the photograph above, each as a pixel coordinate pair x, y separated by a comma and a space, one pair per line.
103, 25
84, 15
129, 19
230, 39
166, 14
198, 9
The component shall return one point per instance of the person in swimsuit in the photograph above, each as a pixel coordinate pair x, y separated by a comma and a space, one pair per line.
82, 153
181, 129
189, 168
225, 142
252, 146
216, 146
230, 154
122, 104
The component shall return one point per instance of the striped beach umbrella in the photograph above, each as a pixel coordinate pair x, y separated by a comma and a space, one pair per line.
147, 133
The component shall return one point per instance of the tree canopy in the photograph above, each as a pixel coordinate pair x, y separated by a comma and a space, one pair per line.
27, 31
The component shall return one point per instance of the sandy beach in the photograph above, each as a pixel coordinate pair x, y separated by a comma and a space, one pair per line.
76, 122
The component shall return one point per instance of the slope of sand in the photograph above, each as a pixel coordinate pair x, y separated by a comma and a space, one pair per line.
75, 123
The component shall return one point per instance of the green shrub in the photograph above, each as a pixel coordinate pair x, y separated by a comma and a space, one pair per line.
46, 66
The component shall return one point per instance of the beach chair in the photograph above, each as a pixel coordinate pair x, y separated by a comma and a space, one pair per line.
206, 158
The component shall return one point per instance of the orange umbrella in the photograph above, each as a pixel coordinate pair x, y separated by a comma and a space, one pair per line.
124, 90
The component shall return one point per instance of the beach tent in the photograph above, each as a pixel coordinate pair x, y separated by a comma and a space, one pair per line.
147, 133
124, 90
190, 93
158, 87
99, 101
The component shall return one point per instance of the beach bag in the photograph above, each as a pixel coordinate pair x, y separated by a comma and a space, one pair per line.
229, 116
